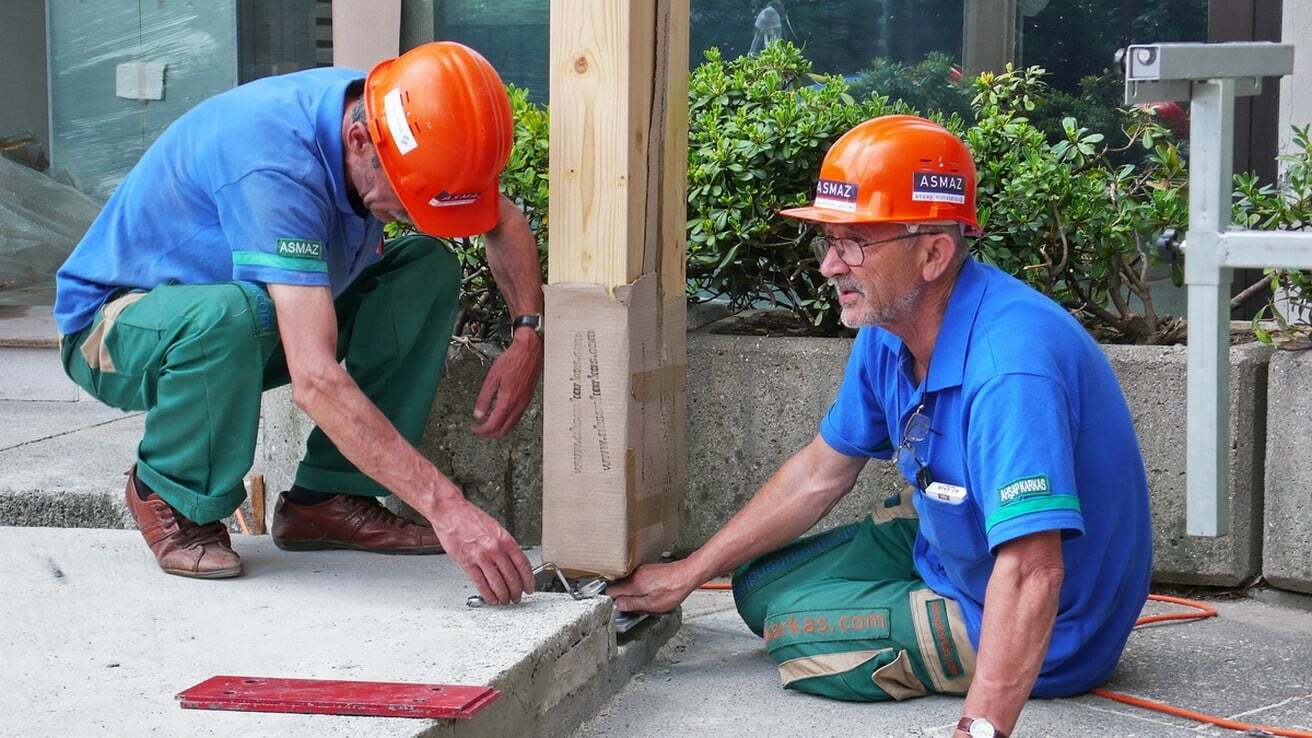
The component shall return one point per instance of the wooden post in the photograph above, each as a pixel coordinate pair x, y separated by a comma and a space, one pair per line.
988, 35
614, 451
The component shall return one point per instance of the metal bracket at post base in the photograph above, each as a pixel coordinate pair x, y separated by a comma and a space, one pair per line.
549, 578
1211, 76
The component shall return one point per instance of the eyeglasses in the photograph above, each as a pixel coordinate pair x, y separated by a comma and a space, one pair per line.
916, 430
853, 250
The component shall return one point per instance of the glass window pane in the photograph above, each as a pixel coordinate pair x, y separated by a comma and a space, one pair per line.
838, 36
514, 35
281, 36
1074, 39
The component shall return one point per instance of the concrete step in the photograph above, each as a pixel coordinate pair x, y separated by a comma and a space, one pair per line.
98, 640
62, 463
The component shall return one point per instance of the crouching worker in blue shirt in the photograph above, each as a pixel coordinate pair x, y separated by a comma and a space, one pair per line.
1018, 558
244, 252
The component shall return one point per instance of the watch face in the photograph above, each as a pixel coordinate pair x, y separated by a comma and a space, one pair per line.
981, 728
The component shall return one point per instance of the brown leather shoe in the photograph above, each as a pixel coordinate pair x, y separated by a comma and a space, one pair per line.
349, 522
180, 546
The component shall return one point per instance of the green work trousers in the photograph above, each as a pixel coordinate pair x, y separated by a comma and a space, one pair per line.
845, 615
197, 357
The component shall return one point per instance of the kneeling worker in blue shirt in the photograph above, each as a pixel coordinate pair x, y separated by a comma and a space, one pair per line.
1018, 558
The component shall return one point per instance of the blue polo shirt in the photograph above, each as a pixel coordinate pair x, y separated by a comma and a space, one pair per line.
248, 185
1028, 417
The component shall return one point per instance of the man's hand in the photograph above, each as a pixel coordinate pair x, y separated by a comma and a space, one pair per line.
793, 499
509, 386
512, 253
654, 588
490, 557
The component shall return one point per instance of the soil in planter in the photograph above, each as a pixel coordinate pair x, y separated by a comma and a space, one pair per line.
776, 323
780, 323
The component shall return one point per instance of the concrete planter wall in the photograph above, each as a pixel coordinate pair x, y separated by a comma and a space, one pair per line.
1153, 379
754, 401
1287, 556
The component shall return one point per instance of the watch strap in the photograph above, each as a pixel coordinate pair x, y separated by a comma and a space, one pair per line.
531, 320
964, 724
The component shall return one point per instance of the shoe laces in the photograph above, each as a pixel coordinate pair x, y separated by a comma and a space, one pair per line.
371, 509
193, 534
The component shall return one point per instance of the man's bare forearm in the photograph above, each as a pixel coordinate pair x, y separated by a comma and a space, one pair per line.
1020, 607
785, 507
369, 440
512, 254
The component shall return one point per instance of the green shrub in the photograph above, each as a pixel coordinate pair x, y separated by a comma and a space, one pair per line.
1066, 217
1097, 105
931, 86
1072, 211
483, 315
1288, 207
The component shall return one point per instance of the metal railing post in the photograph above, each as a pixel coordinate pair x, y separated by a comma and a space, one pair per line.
1212, 76
1211, 171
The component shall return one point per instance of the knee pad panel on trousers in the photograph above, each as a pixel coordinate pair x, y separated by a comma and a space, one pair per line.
830, 637
758, 582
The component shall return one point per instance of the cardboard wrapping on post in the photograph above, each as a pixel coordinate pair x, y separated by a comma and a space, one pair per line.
613, 465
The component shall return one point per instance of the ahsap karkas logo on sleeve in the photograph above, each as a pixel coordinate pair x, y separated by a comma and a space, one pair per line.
1023, 489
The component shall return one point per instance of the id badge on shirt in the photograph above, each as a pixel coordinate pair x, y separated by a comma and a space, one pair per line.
949, 493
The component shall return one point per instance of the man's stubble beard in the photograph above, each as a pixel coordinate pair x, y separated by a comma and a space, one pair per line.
872, 314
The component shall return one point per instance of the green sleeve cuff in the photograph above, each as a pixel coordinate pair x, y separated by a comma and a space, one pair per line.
1032, 505
287, 263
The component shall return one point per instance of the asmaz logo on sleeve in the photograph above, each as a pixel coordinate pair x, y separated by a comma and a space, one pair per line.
938, 187
836, 195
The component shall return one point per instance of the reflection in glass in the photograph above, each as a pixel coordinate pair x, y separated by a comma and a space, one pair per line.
769, 27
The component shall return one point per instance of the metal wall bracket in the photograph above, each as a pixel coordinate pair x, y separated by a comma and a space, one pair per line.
1211, 76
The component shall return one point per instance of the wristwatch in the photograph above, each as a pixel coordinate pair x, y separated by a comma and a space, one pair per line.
532, 320
979, 728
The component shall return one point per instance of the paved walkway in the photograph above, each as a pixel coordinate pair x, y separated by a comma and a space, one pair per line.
1253, 663
97, 641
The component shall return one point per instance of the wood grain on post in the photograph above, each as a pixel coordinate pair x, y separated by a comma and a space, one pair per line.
618, 161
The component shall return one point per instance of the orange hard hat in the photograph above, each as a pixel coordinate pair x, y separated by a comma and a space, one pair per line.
440, 121
895, 169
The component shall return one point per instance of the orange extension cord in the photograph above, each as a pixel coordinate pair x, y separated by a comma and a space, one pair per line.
1202, 612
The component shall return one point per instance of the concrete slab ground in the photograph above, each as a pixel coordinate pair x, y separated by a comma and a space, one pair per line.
28, 326
96, 640
1253, 663
62, 463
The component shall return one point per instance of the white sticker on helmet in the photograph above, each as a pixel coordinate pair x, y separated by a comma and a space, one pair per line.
396, 123
446, 199
835, 195
938, 187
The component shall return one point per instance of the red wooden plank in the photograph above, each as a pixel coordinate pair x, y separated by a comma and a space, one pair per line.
334, 697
